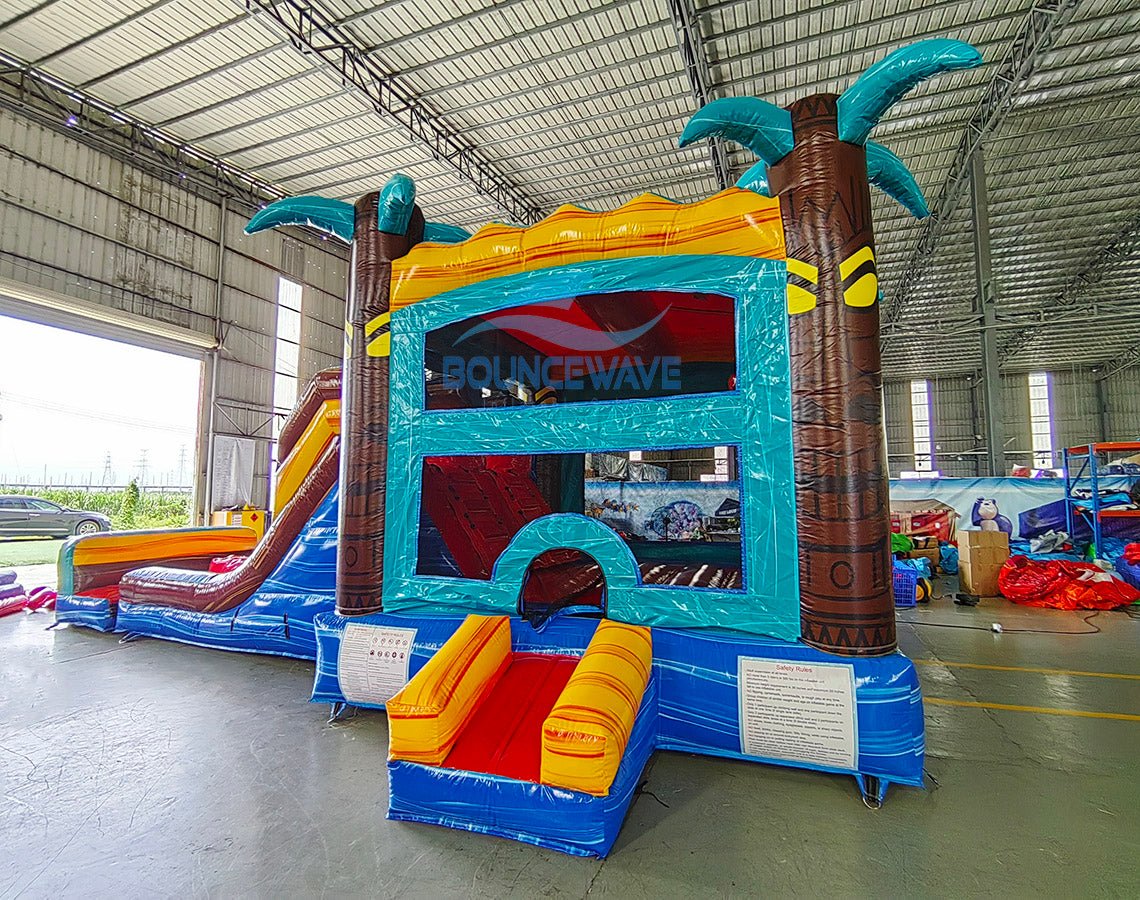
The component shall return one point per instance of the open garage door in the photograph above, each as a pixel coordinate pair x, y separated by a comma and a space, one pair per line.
95, 425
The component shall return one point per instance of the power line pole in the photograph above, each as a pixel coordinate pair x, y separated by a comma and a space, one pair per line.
142, 467
108, 472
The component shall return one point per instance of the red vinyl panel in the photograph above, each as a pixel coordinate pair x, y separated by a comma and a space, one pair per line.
504, 737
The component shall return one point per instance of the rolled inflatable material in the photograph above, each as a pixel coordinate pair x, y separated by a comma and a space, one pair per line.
12, 598
41, 598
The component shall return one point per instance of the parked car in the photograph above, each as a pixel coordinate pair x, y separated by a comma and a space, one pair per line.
33, 517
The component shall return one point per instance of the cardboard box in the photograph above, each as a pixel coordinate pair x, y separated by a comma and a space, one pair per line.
932, 554
981, 554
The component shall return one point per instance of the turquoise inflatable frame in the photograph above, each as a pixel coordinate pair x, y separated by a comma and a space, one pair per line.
755, 417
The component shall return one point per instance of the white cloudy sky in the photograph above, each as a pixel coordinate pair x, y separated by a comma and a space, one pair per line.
67, 400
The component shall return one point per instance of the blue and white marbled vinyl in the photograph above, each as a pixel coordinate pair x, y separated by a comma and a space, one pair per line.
565, 820
89, 612
278, 618
697, 673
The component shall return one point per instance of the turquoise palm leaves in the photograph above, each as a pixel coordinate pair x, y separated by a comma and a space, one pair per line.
337, 218
333, 217
766, 129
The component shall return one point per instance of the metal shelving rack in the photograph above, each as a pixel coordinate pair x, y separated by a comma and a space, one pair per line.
1091, 509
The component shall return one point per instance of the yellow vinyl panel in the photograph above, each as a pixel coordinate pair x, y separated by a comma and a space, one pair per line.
586, 733
141, 546
426, 717
734, 222
310, 445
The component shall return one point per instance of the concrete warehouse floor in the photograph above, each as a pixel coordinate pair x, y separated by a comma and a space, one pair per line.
155, 769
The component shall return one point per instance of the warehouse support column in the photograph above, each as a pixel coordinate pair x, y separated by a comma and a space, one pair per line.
212, 412
1101, 406
987, 306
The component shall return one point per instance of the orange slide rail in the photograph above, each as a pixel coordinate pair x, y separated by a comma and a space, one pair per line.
98, 561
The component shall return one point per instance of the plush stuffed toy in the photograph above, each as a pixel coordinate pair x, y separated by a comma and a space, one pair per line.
987, 517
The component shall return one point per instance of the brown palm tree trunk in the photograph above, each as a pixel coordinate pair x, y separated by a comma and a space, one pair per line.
364, 410
843, 513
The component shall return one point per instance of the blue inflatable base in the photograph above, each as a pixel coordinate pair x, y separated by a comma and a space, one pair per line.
698, 707
276, 620
87, 612
240, 629
569, 821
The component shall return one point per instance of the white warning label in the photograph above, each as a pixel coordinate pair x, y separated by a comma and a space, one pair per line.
802, 712
373, 662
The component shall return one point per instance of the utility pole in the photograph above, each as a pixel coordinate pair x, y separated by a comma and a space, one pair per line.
108, 472
142, 467
181, 464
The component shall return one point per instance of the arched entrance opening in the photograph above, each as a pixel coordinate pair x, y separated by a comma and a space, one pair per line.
562, 579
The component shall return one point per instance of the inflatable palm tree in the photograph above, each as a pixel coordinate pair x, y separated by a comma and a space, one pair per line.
815, 157
381, 227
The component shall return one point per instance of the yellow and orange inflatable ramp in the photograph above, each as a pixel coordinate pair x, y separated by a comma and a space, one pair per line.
543, 747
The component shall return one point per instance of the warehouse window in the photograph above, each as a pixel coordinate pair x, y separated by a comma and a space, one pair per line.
287, 352
920, 425
1041, 420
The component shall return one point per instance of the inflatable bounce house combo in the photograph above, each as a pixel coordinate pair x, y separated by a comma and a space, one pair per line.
430, 546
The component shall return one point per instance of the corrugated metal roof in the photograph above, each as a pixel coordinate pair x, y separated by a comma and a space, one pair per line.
582, 101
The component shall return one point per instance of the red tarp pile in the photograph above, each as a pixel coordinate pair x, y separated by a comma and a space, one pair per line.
1062, 584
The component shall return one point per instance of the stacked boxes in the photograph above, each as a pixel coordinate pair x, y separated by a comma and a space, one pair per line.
981, 554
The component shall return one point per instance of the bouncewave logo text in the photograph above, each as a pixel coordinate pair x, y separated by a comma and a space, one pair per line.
579, 357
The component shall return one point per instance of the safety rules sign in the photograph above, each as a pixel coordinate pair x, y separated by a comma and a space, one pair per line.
373, 662
801, 712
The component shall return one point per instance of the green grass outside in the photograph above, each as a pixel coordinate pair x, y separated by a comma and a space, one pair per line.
28, 552
127, 509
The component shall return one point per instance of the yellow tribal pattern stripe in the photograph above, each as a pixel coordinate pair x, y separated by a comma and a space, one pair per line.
801, 299
381, 343
347, 340
585, 735
322, 428
859, 269
428, 714
734, 222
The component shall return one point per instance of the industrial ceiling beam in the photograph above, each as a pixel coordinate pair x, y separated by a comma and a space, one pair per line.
691, 46
314, 35
1033, 39
46, 99
26, 14
1074, 296
172, 47
101, 32
1125, 360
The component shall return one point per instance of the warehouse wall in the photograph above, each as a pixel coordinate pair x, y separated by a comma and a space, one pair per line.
957, 416
81, 222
